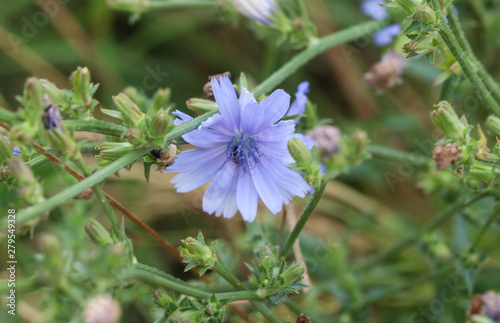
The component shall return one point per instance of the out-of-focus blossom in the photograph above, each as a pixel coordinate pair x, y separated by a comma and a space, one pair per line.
102, 309
386, 73
386, 35
257, 10
492, 306
327, 139
373, 9
15, 151
244, 151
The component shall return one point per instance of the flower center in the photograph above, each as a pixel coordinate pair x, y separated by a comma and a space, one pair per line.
243, 151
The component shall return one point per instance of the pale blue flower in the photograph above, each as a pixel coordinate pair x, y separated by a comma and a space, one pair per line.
372, 9
386, 35
257, 10
15, 151
299, 105
492, 306
243, 150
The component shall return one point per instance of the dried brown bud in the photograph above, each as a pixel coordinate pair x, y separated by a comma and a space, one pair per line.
303, 319
444, 156
166, 157
207, 89
386, 73
476, 305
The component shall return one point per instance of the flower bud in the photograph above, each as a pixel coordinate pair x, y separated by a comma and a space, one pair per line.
97, 233
201, 105
327, 139
82, 91
446, 119
304, 160
300, 153
5, 149
197, 254
359, 142
131, 114
291, 275
482, 144
481, 172
165, 158
29, 190
111, 151
24, 132
426, 15
160, 123
51, 116
134, 137
162, 298
160, 99
386, 73
493, 123
423, 44
32, 100
444, 156
102, 309
55, 94
136, 96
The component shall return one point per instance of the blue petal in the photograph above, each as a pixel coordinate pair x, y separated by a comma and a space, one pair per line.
268, 192
183, 118
16, 151
253, 119
196, 167
275, 106
386, 35
299, 105
281, 132
217, 124
226, 99
219, 188
247, 197
206, 137
288, 182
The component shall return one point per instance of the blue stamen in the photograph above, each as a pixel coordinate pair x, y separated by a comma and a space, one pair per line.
243, 151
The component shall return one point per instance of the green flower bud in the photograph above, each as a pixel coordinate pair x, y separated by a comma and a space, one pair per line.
446, 119
162, 298
111, 151
201, 105
300, 153
197, 254
29, 190
359, 143
493, 123
134, 137
291, 275
160, 123
24, 132
55, 94
136, 96
5, 149
131, 114
160, 99
305, 160
481, 172
426, 15
32, 100
423, 44
82, 87
97, 233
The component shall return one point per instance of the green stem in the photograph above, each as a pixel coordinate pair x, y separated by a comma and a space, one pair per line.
314, 50
462, 40
306, 213
415, 159
466, 59
301, 8
412, 238
26, 214
233, 280
99, 193
106, 128
485, 227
